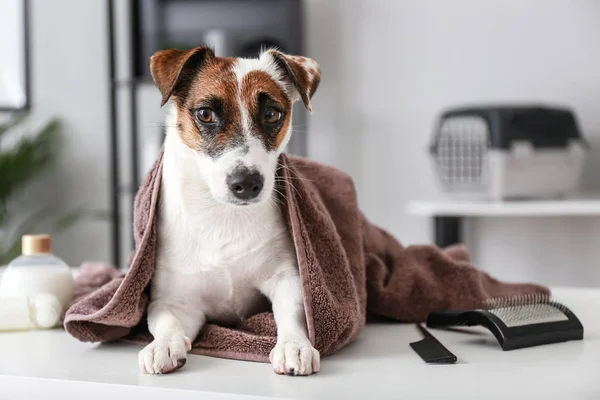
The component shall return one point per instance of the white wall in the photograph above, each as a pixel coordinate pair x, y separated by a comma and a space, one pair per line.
69, 79
389, 66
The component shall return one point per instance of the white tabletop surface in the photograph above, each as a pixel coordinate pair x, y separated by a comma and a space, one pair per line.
525, 208
380, 364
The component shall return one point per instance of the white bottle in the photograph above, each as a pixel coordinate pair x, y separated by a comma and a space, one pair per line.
35, 288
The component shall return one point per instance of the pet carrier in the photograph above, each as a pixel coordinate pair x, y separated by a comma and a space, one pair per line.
508, 152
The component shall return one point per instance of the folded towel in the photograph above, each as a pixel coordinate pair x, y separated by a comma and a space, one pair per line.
350, 270
91, 276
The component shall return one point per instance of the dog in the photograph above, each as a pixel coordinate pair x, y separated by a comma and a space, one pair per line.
223, 247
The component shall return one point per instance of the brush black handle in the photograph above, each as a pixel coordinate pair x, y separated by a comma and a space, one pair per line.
444, 318
515, 337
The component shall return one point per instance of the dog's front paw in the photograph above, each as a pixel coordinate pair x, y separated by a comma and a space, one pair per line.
164, 355
295, 357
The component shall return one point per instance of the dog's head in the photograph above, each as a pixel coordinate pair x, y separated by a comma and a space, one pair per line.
235, 113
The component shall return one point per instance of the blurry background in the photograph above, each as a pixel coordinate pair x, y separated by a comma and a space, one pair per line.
389, 67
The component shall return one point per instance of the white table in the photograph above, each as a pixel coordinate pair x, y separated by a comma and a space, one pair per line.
447, 215
380, 364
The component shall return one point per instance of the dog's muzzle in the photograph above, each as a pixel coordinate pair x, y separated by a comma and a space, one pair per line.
245, 184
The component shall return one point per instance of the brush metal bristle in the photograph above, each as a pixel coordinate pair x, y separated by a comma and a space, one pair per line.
520, 300
534, 308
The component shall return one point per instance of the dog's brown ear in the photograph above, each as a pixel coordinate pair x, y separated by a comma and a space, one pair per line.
172, 70
302, 72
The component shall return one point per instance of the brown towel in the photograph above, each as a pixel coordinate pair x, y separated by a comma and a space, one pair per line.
350, 269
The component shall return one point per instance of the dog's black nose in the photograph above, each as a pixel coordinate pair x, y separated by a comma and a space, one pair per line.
245, 184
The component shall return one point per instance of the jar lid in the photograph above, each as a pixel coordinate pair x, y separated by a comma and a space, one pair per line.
35, 244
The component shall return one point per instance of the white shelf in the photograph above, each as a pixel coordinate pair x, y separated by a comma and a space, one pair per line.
379, 364
582, 206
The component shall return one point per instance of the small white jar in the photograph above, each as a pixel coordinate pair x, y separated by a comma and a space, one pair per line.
38, 281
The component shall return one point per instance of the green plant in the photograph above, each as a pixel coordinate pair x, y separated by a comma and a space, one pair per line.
28, 149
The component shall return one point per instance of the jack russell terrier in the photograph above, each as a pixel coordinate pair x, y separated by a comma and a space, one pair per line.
223, 247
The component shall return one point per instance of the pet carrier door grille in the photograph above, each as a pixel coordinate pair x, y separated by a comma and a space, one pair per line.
461, 152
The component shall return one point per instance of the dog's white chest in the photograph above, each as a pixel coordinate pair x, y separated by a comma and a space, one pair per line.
216, 282
217, 258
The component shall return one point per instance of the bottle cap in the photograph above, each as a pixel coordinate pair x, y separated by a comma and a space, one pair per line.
35, 244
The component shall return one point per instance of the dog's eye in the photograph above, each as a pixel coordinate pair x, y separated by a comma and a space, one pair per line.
271, 115
205, 115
